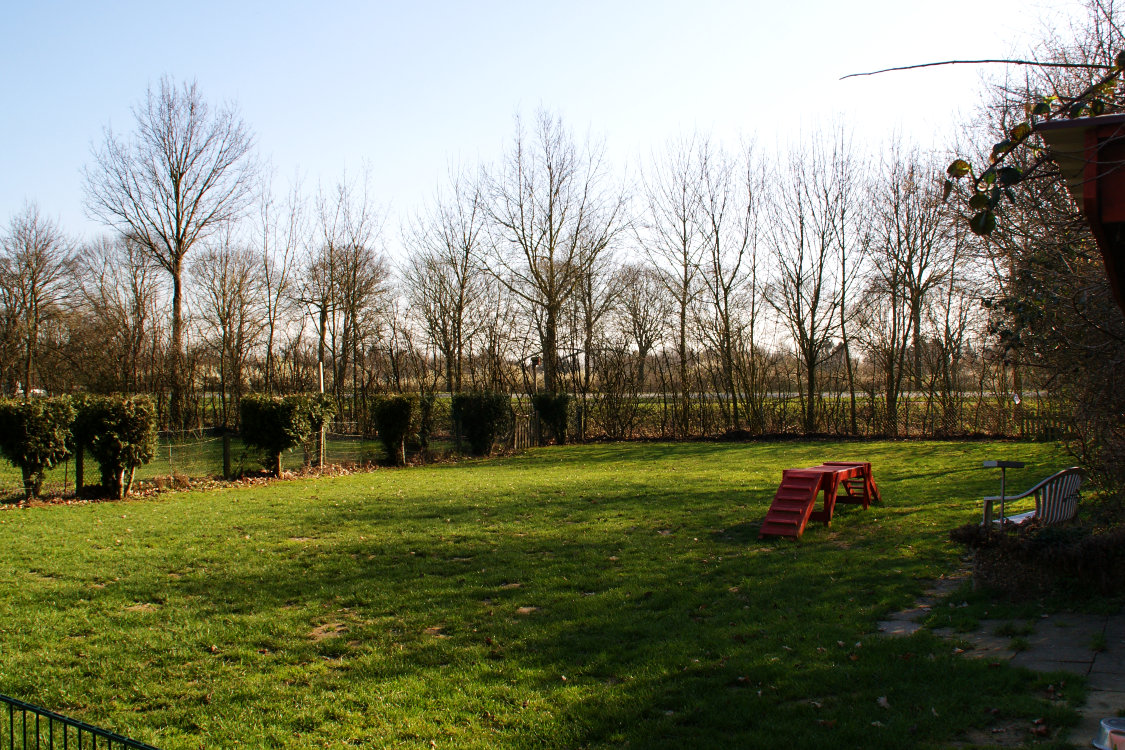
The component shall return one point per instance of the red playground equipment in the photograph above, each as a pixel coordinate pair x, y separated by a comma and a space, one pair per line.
846, 482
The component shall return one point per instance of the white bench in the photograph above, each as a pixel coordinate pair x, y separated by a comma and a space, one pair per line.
1056, 500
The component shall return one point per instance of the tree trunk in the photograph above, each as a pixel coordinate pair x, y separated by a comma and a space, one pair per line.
176, 406
550, 350
810, 405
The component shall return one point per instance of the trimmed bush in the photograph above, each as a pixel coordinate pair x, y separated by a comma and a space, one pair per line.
394, 419
120, 433
552, 411
481, 417
278, 424
320, 408
35, 435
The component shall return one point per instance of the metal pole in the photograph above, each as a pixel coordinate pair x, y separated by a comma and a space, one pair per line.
1003, 470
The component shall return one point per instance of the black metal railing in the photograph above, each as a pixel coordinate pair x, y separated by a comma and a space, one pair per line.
29, 727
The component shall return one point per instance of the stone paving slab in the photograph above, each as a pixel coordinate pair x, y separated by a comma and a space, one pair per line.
1110, 660
1037, 662
992, 647
1106, 681
899, 627
1105, 703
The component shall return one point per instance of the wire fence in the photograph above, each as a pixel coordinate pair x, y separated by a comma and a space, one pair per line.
184, 458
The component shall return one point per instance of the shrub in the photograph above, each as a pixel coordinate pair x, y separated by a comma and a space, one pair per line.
120, 432
1030, 559
320, 408
552, 411
480, 417
35, 435
274, 425
394, 419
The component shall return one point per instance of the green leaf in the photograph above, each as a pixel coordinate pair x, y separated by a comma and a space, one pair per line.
959, 168
1009, 176
946, 189
1042, 108
1120, 60
1020, 132
1000, 149
980, 201
988, 177
1076, 110
1097, 107
983, 223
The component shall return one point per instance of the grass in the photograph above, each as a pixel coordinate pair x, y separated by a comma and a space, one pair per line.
591, 596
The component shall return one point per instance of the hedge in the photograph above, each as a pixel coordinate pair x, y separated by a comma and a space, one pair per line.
552, 410
120, 432
35, 436
480, 417
278, 424
395, 417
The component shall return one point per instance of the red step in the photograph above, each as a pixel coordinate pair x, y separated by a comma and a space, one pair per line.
792, 505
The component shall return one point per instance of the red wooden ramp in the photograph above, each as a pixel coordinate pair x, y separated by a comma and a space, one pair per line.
792, 505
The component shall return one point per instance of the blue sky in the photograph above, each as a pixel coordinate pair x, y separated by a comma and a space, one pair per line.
406, 89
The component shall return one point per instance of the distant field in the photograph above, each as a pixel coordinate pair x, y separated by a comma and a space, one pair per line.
591, 596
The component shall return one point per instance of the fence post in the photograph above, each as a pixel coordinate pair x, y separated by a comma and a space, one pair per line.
320, 440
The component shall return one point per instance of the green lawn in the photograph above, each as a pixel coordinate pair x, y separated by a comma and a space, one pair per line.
591, 596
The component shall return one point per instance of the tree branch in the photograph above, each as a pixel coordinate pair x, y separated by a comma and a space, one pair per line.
1034, 63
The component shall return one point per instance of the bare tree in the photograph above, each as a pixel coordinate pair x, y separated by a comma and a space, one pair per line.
231, 311
120, 299
805, 290
553, 216
444, 275
187, 171
282, 231
346, 280
671, 237
852, 226
728, 207
643, 309
35, 268
908, 262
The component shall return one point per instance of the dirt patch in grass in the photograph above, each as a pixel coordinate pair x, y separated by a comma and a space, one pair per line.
327, 630
1007, 734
